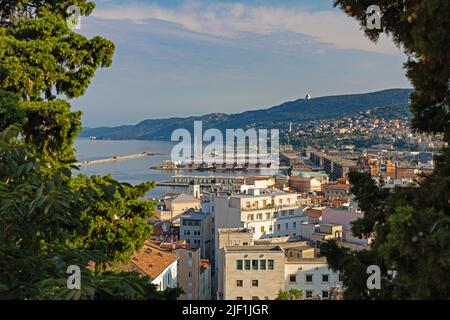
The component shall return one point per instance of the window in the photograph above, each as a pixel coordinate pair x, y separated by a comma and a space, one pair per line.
294, 224
239, 264
255, 283
325, 278
263, 229
325, 294
292, 278
287, 226
262, 265
247, 264
267, 216
309, 278
190, 274
270, 264
190, 254
309, 294
259, 216
278, 226
239, 298
255, 298
270, 228
239, 283
254, 264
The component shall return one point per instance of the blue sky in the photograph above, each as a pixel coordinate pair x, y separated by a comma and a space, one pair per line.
181, 58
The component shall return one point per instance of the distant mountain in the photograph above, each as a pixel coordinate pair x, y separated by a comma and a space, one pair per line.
331, 107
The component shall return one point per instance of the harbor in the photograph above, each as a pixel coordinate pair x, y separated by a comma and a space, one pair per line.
116, 158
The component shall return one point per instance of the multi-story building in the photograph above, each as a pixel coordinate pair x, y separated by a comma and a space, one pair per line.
336, 191
174, 205
260, 270
196, 228
306, 272
205, 280
333, 164
193, 277
252, 272
267, 212
306, 182
227, 237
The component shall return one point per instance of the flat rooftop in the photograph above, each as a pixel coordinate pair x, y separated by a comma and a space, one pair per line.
234, 230
258, 248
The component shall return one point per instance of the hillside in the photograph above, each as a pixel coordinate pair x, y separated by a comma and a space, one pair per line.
331, 107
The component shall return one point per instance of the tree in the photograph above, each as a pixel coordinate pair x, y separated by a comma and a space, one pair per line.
409, 226
114, 219
292, 294
49, 218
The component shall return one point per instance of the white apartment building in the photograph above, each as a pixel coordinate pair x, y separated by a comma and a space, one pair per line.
311, 275
266, 212
259, 270
269, 213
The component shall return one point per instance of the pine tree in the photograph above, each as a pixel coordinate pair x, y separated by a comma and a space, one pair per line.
409, 226
51, 219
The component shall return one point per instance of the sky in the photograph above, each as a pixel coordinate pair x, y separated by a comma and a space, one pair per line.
194, 57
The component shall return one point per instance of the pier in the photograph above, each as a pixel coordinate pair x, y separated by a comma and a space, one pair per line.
116, 158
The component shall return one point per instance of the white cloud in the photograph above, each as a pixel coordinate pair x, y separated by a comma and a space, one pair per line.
230, 20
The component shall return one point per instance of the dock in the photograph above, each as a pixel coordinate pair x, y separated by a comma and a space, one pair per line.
116, 158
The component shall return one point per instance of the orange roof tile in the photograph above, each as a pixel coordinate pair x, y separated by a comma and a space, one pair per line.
150, 260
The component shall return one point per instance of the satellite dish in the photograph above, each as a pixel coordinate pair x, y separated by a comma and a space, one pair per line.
308, 97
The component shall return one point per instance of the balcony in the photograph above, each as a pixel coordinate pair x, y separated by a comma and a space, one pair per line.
256, 208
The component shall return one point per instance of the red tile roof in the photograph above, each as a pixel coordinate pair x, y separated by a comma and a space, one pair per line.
150, 261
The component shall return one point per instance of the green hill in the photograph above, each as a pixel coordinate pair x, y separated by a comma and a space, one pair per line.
392, 102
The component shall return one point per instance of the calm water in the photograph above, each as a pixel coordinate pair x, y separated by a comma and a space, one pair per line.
134, 171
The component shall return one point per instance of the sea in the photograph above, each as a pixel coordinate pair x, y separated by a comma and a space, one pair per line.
139, 170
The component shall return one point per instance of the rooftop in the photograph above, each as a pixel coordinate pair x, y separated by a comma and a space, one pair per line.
259, 248
183, 198
234, 230
151, 260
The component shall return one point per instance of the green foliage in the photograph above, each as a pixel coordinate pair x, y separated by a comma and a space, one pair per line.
292, 294
9, 110
44, 218
114, 218
409, 226
52, 128
50, 220
41, 56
